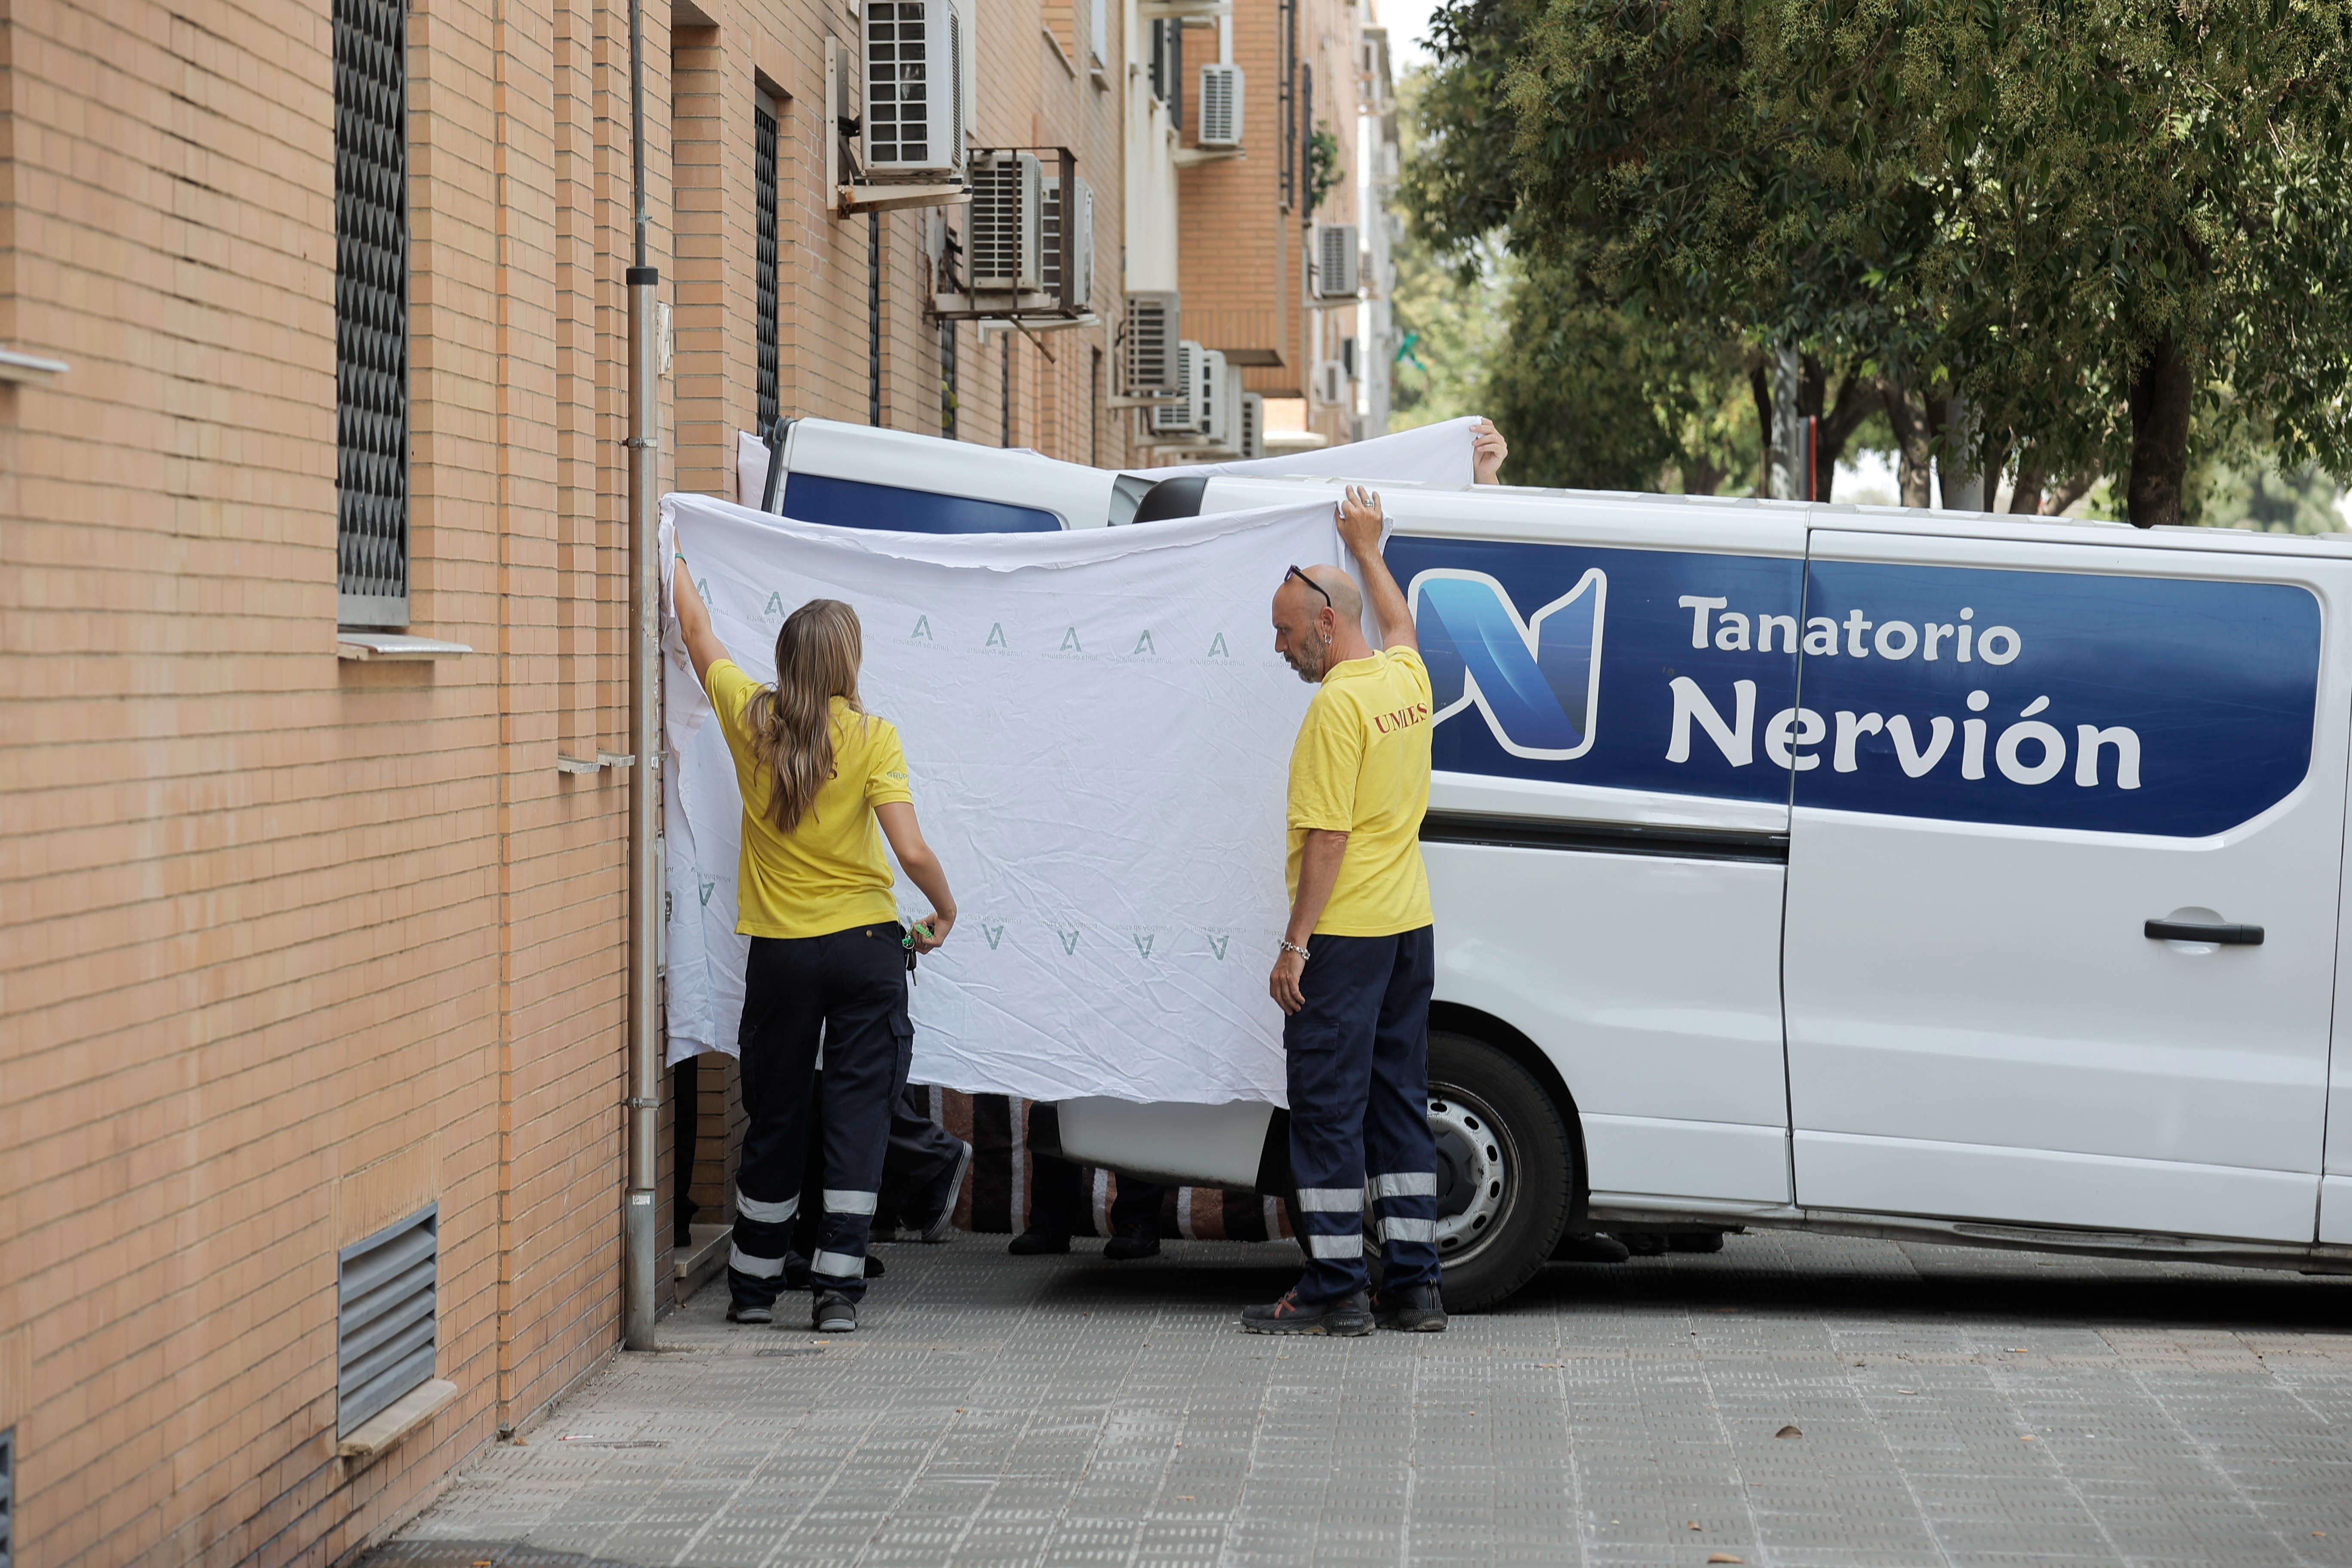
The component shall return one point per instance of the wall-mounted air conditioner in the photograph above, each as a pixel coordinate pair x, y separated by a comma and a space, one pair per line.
1227, 416
1049, 240
1148, 346
1217, 399
1252, 441
1331, 383
1220, 124
1191, 415
1336, 259
1006, 225
918, 94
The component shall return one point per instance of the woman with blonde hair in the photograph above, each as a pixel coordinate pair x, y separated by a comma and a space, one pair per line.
823, 783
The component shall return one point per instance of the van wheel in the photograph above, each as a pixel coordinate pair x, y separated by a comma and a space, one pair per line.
1505, 1168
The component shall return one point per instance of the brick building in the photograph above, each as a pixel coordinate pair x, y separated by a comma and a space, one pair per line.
315, 565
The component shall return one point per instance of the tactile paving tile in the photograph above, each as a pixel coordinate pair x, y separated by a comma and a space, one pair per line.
1957, 1405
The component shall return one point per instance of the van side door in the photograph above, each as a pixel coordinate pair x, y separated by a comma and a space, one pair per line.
1606, 836
2063, 882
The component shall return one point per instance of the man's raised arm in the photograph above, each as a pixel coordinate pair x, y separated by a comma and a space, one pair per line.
1359, 529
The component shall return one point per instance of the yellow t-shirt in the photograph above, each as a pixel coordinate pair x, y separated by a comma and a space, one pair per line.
1362, 767
828, 873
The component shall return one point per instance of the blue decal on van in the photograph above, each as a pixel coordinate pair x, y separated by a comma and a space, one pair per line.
2114, 704
856, 503
1598, 666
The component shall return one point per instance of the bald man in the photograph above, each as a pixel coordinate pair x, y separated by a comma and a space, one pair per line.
1358, 962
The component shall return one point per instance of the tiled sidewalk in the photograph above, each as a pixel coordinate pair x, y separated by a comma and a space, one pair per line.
1955, 1406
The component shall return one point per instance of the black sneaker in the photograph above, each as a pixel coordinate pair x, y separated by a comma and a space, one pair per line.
1137, 1238
1342, 1319
1037, 1242
744, 1312
939, 1203
1416, 1310
833, 1315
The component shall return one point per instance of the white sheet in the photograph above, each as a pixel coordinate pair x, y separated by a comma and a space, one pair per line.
1098, 732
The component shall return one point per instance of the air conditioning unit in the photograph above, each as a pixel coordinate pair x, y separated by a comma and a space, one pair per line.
1002, 242
1220, 124
1049, 239
1225, 411
1148, 346
1331, 383
1190, 416
918, 95
1335, 259
1217, 410
1252, 441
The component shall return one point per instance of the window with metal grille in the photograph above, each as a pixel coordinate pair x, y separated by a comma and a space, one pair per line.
372, 313
763, 179
384, 1317
7, 1497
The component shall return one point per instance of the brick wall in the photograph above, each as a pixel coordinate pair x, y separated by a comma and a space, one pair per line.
291, 945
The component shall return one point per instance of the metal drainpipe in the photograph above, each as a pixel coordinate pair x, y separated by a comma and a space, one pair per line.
644, 721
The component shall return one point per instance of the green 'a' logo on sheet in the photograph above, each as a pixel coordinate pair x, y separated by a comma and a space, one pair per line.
1143, 644
996, 636
776, 606
994, 935
922, 629
1217, 648
1143, 939
706, 888
1070, 939
1218, 942
1070, 642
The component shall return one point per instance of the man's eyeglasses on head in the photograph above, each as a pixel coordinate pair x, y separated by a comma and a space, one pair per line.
1310, 581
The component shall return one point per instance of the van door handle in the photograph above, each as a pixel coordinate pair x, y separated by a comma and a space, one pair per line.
2194, 931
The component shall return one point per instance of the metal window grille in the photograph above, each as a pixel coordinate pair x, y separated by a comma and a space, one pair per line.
372, 311
7, 1497
763, 178
385, 1311
1287, 101
898, 87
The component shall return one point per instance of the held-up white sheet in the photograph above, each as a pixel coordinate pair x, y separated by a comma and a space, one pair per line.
1098, 735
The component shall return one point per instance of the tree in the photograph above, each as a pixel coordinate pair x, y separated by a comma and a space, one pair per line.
2089, 219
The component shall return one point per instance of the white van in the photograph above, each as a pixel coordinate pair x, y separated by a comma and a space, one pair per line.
1953, 876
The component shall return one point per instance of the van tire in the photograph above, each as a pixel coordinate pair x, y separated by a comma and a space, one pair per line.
1477, 1092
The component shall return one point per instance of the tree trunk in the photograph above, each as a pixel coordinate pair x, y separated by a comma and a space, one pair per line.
1995, 457
1701, 478
1908, 419
2070, 492
1759, 385
2025, 501
2160, 400
1855, 399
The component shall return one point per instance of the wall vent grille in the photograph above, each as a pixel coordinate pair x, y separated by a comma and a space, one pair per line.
372, 313
384, 1312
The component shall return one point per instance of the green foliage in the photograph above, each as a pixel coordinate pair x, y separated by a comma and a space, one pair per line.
2097, 220
1323, 172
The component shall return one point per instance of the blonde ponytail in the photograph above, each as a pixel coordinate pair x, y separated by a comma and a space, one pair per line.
817, 654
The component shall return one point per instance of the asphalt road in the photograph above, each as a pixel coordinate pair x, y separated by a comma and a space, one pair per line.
1949, 1405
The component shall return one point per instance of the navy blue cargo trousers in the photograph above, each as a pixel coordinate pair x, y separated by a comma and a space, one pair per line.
849, 989
1357, 1062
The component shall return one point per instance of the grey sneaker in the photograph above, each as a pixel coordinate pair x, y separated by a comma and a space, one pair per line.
833, 1315
941, 1224
1416, 1310
1346, 1318
739, 1312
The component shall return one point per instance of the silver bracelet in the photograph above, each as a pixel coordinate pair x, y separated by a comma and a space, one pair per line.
1289, 946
